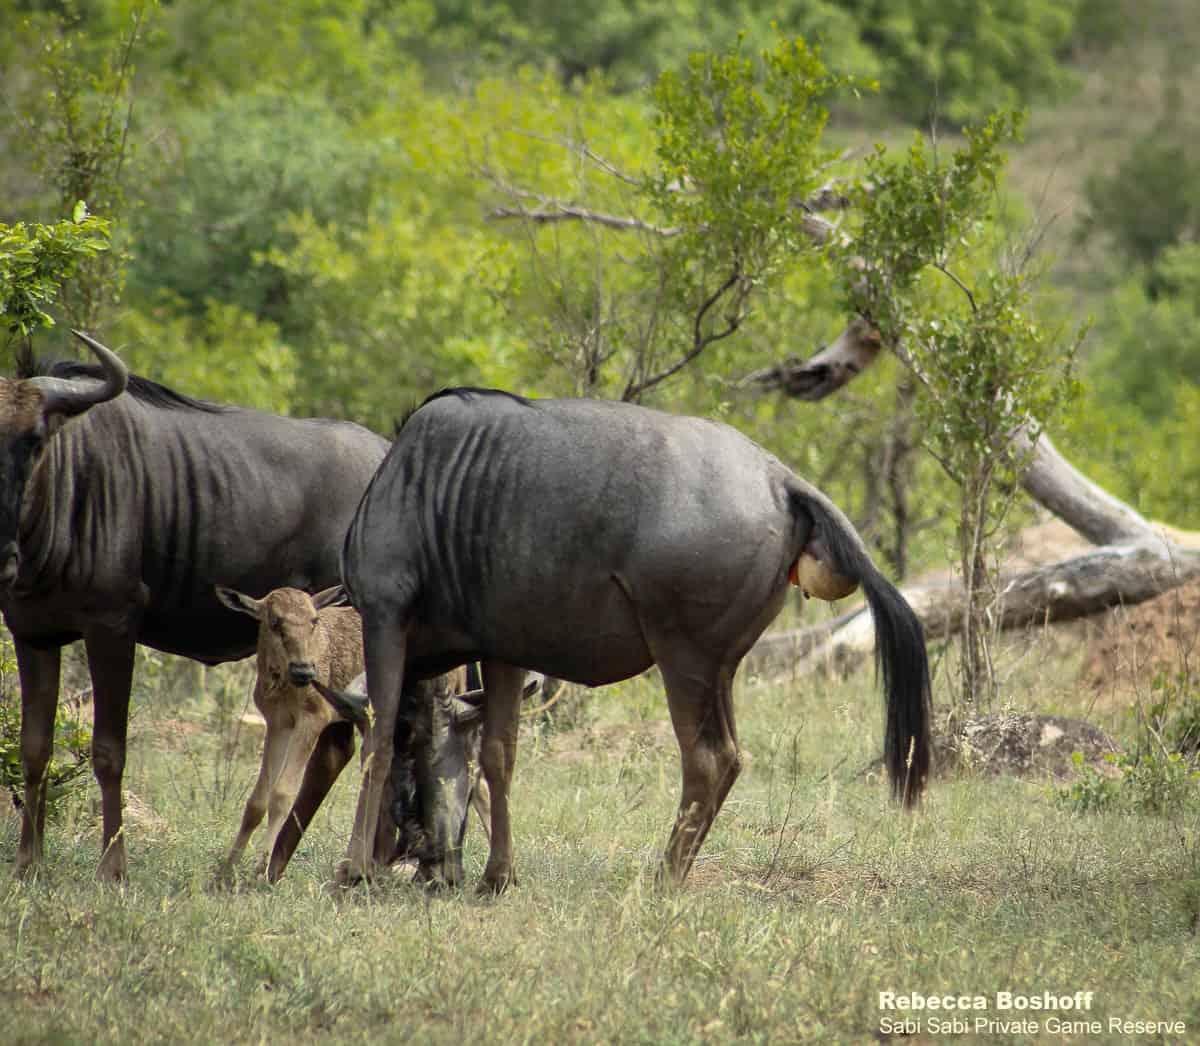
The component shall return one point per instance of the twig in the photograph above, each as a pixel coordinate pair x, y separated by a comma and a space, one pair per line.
700, 341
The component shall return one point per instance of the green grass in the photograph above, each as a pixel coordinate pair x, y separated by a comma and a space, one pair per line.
812, 895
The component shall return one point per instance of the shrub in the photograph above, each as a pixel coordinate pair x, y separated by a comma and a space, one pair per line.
72, 741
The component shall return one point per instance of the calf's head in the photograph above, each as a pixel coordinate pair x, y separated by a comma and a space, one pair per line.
31, 410
290, 643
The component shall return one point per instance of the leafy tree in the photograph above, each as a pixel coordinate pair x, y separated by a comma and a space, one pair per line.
75, 127
986, 366
390, 313
1151, 200
964, 58
222, 353
238, 170
37, 260
719, 217
1134, 425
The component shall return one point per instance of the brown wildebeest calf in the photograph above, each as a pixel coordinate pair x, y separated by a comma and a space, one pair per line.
300, 638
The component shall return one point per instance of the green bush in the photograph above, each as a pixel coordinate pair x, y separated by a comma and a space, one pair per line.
1151, 200
1149, 783
67, 771
1162, 774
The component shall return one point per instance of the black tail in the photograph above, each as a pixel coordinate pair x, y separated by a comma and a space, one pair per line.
899, 646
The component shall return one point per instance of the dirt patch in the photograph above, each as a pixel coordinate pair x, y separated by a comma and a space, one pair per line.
1131, 645
1024, 745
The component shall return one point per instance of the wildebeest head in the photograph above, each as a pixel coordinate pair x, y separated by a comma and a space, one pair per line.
289, 642
31, 410
436, 748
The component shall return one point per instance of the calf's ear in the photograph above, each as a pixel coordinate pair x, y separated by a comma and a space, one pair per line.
331, 597
242, 603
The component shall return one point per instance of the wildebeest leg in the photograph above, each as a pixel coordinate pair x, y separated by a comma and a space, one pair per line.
384, 645
387, 832
700, 698
285, 784
503, 685
110, 661
274, 748
39, 671
334, 749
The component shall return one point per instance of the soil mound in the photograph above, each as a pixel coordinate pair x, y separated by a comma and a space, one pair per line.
1132, 645
1023, 745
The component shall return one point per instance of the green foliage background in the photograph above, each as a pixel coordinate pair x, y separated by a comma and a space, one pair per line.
300, 209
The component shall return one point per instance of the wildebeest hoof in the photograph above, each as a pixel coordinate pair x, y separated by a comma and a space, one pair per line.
350, 873
495, 883
27, 870
112, 867
225, 875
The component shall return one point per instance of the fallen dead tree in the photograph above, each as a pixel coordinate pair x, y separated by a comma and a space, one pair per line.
1079, 586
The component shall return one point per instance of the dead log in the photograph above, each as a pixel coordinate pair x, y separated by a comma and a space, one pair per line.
1082, 585
1048, 477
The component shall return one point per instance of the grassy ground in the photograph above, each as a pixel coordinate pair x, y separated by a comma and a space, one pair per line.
813, 895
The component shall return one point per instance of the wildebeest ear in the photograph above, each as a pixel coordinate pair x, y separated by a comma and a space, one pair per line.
463, 714
331, 597
239, 602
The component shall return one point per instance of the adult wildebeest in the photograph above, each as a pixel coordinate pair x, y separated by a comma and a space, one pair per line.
119, 513
668, 540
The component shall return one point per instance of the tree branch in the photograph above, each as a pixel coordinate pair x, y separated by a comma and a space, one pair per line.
835, 366
557, 211
700, 340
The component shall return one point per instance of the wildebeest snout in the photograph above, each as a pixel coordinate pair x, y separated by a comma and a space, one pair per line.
10, 563
301, 673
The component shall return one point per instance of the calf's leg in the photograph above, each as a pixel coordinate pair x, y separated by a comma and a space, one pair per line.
335, 747
274, 748
285, 784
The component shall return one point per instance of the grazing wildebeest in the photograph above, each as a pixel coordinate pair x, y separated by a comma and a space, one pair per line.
434, 775
119, 512
669, 541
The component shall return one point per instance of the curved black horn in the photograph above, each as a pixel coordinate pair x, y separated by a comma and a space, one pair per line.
464, 713
350, 706
75, 395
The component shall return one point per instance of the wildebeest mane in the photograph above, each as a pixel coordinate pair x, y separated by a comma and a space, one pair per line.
464, 393
142, 389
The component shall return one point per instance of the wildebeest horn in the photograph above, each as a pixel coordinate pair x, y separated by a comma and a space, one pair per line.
75, 395
464, 712
350, 706
336, 596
